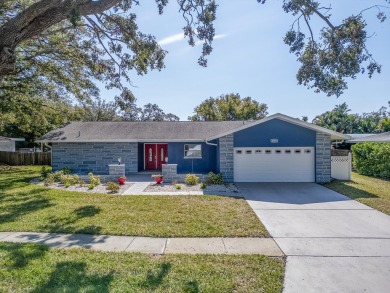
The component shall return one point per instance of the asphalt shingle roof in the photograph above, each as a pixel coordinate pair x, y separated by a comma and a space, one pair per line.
138, 131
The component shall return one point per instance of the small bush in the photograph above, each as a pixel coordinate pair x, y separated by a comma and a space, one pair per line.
178, 186
49, 179
81, 182
372, 159
57, 175
91, 186
69, 180
192, 179
44, 173
66, 171
112, 186
203, 185
215, 178
95, 180
67, 184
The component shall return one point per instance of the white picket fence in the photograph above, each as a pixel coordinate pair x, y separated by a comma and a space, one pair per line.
341, 167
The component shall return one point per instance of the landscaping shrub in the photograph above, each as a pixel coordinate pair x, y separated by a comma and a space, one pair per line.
203, 185
178, 186
66, 171
49, 179
192, 179
215, 178
44, 173
91, 186
95, 180
112, 186
69, 180
372, 159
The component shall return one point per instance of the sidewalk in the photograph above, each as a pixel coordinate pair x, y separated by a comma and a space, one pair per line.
217, 245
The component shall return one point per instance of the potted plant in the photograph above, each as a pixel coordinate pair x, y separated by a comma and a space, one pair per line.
121, 180
158, 178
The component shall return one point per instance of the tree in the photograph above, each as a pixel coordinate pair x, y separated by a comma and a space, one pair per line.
129, 111
64, 45
99, 110
229, 107
32, 116
340, 120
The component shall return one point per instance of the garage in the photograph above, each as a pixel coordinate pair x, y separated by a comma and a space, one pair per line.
274, 164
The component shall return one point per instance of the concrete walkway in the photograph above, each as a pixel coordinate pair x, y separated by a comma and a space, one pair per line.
332, 243
217, 245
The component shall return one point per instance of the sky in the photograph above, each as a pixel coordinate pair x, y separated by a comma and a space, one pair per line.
250, 58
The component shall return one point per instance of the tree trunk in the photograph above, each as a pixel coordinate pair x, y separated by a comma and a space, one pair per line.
36, 19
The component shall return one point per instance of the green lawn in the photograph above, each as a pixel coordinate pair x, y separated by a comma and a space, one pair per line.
32, 208
371, 191
36, 268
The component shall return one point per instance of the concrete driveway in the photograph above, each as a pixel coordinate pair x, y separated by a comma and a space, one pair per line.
332, 243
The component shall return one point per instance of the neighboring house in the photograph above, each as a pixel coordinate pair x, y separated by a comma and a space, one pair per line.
277, 148
7, 144
381, 137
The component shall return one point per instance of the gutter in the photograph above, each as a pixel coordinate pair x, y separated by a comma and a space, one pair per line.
209, 143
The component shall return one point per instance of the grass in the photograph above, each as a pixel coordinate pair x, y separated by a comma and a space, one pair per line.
370, 191
32, 208
36, 268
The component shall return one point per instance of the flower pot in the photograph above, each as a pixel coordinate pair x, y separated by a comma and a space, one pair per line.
158, 180
121, 180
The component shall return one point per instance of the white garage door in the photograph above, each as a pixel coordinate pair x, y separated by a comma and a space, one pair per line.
276, 164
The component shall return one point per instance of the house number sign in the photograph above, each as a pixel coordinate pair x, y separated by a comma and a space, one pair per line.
274, 140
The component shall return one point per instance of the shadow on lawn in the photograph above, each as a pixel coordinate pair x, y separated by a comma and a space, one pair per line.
18, 255
71, 276
67, 224
24, 205
153, 280
349, 190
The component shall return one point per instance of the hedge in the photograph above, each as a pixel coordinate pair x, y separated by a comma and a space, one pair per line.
372, 159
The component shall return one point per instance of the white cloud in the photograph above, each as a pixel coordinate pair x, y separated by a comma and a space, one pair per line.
216, 37
180, 36
171, 39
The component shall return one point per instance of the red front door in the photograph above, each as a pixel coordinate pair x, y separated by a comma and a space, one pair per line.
155, 155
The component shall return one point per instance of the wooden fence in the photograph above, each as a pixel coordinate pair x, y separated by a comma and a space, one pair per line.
17, 159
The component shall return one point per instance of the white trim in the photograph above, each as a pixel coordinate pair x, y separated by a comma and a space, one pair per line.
334, 134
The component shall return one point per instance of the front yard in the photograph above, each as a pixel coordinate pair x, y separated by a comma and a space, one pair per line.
32, 208
35, 268
370, 191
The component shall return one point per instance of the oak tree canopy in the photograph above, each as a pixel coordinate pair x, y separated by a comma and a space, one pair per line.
60, 48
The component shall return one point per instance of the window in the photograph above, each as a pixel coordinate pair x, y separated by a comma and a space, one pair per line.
267, 151
239, 152
307, 151
248, 152
297, 151
278, 151
258, 151
192, 151
287, 151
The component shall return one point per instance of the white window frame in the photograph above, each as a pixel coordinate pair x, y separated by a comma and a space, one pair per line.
190, 147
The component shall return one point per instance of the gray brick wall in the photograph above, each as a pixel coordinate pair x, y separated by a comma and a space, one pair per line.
226, 151
94, 157
323, 146
169, 172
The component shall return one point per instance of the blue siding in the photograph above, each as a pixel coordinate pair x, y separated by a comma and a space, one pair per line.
207, 163
287, 134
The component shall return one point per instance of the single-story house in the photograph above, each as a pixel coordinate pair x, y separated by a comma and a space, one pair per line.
7, 144
277, 148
